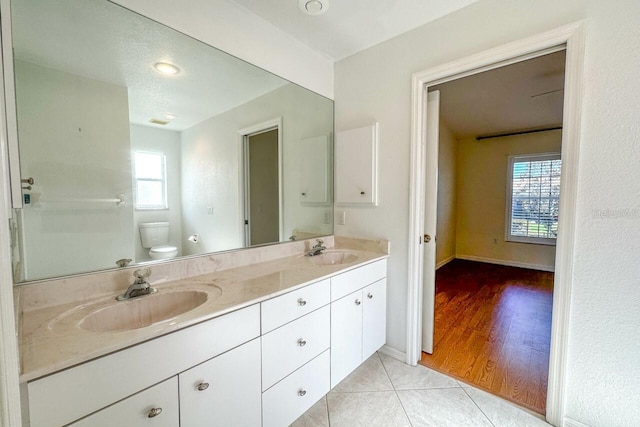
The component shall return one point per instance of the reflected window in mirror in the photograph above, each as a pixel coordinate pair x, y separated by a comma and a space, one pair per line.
150, 180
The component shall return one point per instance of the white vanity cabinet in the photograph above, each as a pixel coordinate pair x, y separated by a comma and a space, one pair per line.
295, 352
68, 395
358, 319
156, 406
224, 391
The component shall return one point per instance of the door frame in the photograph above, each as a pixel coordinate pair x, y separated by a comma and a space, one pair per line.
571, 38
243, 134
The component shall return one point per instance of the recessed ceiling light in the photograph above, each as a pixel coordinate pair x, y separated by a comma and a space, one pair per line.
169, 116
313, 7
158, 121
166, 68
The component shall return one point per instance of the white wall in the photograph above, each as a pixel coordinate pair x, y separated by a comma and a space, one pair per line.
604, 338
447, 195
233, 29
74, 142
211, 167
482, 197
146, 138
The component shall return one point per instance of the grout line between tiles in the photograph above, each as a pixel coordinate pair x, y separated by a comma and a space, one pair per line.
326, 405
478, 406
385, 371
394, 389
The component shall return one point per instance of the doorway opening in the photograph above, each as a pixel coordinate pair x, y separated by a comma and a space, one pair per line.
262, 181
498, 193
423, 194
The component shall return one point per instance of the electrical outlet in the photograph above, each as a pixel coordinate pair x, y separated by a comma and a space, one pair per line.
342, 218
210, 210
495, 241
326, 217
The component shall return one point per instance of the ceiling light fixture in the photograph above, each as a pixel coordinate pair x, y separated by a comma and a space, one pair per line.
166, 68
313, 7
169, 116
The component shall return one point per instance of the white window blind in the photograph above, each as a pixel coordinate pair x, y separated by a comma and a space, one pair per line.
533, 198
150, 180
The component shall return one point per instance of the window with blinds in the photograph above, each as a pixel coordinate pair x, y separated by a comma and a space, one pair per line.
533, 198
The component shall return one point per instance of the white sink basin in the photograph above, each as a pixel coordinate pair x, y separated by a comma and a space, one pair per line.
142, 311
334, 257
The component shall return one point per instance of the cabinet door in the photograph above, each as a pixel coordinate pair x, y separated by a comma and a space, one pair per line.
346, 336
374, 317
156, 406
356, 166
314, 167
224, 391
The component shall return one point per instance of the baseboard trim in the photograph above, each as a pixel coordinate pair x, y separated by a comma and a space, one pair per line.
445, 261
507, 263
394, 353
568, 422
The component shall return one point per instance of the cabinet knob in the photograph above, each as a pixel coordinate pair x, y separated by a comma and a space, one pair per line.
358, 302
301, 302
154, 412
304, 194
202, 386
370, 295
302, 392
302, 342
362, 193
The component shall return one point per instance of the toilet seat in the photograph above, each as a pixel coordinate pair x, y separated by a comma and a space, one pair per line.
163, 252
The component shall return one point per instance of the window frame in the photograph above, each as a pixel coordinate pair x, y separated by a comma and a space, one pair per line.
519, 158
163, 180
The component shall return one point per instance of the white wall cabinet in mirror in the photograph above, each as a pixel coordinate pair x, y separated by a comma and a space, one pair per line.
315, 184
89, 93
357, 166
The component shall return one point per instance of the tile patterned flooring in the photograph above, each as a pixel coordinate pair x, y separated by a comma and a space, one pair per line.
388, 393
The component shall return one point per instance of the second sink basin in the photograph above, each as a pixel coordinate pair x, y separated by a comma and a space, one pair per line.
334, 257
142, 311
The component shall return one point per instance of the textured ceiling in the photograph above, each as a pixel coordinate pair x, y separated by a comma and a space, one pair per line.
103, 41
520, 96
350, 26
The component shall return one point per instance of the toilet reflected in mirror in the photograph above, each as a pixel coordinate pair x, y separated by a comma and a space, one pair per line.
155, 237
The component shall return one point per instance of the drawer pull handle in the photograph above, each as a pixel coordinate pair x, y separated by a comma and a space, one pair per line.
358, 302
202, 386
301, 302
370, 295
302, 342
154, 412
302, 392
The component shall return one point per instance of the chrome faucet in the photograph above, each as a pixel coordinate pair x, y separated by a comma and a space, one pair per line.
140, 285
317, 248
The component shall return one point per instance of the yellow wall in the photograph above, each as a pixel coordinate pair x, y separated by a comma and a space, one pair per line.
481, 194
446, 225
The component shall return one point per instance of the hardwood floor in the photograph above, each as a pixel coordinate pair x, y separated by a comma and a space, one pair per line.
493, 329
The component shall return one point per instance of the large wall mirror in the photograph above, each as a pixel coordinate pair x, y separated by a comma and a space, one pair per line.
145, 144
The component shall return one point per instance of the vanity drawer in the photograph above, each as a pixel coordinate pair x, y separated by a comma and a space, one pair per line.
136, 410
68, 395
291, 346
286, 401
346, 283
285, 308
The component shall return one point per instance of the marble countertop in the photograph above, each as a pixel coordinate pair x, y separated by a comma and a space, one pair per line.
51, 338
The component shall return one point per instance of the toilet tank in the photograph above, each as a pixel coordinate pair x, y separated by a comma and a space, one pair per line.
154, 233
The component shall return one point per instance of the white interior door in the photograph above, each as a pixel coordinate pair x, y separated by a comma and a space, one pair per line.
430, 219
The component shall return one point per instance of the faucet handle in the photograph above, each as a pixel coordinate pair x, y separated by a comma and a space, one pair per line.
319, 242
142, 274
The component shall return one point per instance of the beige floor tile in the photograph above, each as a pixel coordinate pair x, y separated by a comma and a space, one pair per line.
370, 376
316, 416
370, 409
502, 413
445, 407
405, 377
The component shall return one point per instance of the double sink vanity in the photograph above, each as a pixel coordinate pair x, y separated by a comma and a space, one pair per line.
256, 341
